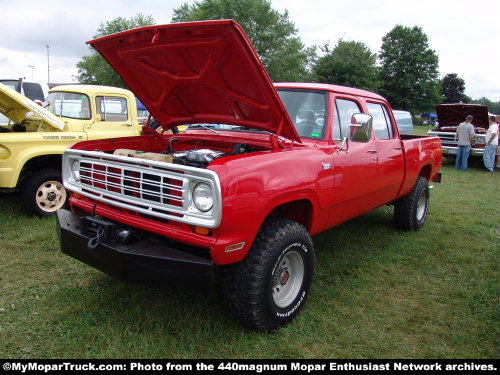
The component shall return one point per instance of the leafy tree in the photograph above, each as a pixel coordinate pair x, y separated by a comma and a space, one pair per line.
453, 89
493, 107
92, 68
409, 70
273, 35
350, 63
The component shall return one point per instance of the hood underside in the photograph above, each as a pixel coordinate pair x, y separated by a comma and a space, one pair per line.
454, 114
17, 108
197, 72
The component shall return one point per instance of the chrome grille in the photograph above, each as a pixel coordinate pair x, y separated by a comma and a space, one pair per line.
148, 187
445, 137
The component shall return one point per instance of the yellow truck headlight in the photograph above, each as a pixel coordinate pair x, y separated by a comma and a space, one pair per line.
4, 152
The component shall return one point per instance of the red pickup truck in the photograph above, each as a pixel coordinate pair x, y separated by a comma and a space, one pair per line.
260, 170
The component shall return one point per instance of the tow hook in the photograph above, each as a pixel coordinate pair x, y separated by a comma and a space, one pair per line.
95, 241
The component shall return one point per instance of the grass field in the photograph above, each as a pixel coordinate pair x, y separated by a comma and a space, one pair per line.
378, 292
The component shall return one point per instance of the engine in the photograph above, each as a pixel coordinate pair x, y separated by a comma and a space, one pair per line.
199, 158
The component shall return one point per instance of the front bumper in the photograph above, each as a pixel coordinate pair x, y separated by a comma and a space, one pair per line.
147, 260
452, 150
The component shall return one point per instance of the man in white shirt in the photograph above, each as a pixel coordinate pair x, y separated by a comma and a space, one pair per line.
466, 136
491, 145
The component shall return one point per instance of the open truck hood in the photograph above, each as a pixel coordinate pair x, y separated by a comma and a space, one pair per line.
17, 107
450, 115
197, 72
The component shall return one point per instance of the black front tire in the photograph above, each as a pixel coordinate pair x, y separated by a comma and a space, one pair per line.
410, 211
49, 180
252, 283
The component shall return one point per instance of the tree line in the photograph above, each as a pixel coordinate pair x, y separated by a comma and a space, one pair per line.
405, 70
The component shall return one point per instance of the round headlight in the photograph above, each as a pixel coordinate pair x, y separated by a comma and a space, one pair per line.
75, 170
203, 197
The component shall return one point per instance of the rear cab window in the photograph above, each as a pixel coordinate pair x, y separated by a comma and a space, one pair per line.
382, 123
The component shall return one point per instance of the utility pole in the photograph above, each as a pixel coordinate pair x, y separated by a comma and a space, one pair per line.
48, 65
32, 67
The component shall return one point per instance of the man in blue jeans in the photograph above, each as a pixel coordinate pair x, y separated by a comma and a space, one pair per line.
466, 135
490, 149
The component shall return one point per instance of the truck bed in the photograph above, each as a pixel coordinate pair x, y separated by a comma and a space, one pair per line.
423, 156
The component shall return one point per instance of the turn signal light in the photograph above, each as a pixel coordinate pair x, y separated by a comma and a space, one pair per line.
76, 195
202, 231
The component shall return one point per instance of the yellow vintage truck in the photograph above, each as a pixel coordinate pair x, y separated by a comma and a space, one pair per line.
34, 138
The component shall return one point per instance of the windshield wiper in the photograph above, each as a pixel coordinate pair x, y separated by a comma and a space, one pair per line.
238, 128
204, 127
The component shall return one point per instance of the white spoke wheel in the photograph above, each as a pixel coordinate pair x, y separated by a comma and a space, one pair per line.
287, 279
43, 193
421, 206
50, 196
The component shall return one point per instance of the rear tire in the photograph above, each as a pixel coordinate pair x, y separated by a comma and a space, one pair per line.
269, 288
410, 211
43, 193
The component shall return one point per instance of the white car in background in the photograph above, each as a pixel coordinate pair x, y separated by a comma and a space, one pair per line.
405, 122
32, 90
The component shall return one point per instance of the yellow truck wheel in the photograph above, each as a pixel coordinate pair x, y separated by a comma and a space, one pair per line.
43, 193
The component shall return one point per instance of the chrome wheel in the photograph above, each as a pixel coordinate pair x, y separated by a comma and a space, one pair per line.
421, 206
287, 279
51, 196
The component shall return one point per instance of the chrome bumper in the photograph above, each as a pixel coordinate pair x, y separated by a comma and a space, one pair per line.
451, 150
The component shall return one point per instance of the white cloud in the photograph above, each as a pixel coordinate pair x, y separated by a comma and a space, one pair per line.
463, 33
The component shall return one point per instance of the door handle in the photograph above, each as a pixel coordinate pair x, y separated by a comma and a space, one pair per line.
128, 124
398, 148
372, 151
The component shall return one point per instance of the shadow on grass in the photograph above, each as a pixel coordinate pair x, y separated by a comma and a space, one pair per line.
105, 303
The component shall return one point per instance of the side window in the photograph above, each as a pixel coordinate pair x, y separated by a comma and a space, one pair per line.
112, 108
345, 110
33, 91
381, 120
389, 122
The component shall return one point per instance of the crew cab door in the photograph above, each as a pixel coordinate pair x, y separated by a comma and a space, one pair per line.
355, 166
389, 151
113, 118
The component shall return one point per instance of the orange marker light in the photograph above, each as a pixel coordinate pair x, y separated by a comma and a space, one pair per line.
76, 195
202, 231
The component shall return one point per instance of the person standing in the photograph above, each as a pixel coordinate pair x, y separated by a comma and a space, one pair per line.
490, 149
466, 135
498, 147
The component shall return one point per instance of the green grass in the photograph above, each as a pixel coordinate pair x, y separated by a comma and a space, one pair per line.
377, 292
422, 130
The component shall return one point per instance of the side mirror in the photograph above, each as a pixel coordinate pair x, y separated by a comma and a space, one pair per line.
360, 129
98, 117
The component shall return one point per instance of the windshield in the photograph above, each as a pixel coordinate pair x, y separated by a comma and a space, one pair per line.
69, 104
308, 111
12, 84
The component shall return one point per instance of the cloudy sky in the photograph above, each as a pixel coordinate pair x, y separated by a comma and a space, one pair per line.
465, 34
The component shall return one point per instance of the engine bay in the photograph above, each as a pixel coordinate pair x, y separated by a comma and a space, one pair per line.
199, 156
